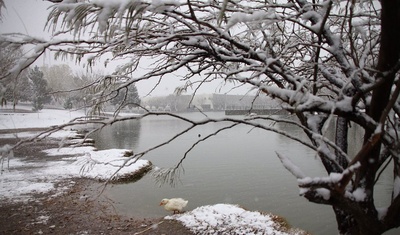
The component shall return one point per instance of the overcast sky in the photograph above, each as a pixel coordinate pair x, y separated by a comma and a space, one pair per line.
29, 17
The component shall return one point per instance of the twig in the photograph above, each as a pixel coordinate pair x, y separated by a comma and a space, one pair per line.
151, 227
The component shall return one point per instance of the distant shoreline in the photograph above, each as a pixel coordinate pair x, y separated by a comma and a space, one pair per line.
256, 111
19, 130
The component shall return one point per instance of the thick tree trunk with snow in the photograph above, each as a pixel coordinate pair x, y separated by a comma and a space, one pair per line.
389, 58
361, 217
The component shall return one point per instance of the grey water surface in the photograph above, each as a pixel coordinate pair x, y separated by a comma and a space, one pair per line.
237, 166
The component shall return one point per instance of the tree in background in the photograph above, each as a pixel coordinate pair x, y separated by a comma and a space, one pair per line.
69, 88
82, 91
1, 6
324, 60
19, 90
9, 87
40, 91
29, 85
60, 78
126, 96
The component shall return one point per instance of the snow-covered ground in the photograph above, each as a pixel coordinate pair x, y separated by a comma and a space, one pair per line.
23, 178
42, 119
230, 219
20, 178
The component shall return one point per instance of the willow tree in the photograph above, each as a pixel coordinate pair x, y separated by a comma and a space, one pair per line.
324, 60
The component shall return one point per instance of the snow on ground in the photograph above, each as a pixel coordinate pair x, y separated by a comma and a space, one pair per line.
229, 219
99, 165
20, 177
42, 119
23, 178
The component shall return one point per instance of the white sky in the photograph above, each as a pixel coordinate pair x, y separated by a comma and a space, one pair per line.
25, 16
29, 17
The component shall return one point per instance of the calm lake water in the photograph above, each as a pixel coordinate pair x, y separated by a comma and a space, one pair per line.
237, 166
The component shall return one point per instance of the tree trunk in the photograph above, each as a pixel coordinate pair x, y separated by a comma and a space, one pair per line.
346, 222
388, 59
342, 130
389, 55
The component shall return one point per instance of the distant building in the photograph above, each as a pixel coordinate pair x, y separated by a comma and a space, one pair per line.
243, 102
209, 102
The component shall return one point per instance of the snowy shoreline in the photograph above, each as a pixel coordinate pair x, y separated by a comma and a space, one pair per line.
22, 177
25, 178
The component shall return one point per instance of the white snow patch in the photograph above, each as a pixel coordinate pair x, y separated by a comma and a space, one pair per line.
18, 181
291, 167
359, 194
23, 178
336, 177
324, 193
158, 6
69, 151
333, 177
303, 191
382, 212
378, 129
102, 165
44, 118
240, 17
345, 104
313, 121
227, 219
41, 177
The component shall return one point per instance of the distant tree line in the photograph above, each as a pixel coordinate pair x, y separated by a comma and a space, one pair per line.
58, 85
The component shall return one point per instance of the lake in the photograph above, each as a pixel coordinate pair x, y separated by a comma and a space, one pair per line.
237, 166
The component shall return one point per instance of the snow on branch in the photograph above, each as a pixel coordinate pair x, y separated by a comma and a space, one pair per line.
319, 189
291, 167
239, 17
262, 54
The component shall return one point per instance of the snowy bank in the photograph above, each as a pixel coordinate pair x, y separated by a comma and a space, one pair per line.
232, 219
110, 164
22, 176
53, 174
42, 119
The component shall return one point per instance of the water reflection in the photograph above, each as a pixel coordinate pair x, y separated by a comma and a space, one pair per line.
120, 135
237, 166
